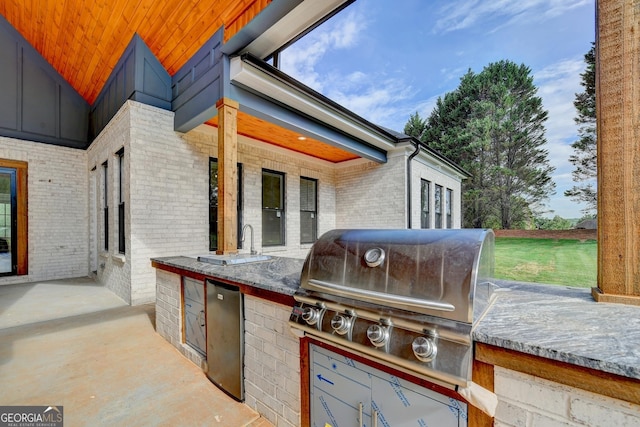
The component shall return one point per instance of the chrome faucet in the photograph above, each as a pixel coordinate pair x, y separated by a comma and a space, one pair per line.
253, 250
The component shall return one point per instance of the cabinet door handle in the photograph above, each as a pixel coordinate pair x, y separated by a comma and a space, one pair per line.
201, 320
360, 406
375, 418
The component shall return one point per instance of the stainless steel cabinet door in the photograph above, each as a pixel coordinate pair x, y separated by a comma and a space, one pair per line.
194, 317
225, 338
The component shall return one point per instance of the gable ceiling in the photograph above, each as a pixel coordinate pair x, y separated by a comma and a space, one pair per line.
83, 39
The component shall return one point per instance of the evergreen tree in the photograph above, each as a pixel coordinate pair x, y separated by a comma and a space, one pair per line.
584, 157
492, 125
415, 126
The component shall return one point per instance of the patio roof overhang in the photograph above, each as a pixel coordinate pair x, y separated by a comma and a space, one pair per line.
267, 93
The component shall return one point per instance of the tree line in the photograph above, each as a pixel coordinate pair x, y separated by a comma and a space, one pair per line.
492, 125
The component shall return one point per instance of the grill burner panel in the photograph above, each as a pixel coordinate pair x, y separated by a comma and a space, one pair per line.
403, 297
450, 346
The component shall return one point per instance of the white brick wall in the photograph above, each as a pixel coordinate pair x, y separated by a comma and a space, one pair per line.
255, 157
528, 401
272, 362
272, 355
169, 194
371, 195
166, 197
112, 269
169, 314
57, 209
425, 168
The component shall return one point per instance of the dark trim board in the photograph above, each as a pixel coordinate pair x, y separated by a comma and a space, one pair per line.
197, 86
137, 76
36, 103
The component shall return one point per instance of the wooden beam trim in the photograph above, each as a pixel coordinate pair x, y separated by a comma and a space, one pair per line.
227, 176
603, 383
483, 375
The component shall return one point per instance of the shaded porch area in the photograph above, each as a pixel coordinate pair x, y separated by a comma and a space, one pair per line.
73, 343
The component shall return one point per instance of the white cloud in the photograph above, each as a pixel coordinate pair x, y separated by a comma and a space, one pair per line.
557, 85
461, 14
371, 94
300, 59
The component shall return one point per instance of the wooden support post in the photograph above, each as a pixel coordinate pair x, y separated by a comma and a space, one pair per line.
227, 176
618, 119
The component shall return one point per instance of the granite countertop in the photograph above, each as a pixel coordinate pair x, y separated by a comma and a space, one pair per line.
553, 322
564, 324
277, 274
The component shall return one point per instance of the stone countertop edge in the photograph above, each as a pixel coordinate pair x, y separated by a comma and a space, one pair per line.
564, 324
549, 321
277, 274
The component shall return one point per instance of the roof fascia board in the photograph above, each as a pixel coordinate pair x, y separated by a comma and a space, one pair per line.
279, 24
272, 83
279, 114
430, 157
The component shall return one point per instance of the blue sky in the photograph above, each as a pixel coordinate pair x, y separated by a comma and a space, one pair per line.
386, 60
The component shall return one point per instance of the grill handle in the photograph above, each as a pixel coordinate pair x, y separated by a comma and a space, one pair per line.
380, 297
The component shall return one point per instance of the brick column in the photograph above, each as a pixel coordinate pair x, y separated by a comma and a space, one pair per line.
618, 109
227, 176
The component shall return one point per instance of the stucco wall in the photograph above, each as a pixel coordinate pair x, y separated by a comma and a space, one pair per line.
57, 209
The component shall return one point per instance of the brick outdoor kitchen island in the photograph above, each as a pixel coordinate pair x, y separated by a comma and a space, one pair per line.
539, 348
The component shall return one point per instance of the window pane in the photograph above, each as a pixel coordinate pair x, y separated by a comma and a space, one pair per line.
272, 190
448, 206
307, 194
105, 167
121, 230
438, 206
7, 221
424, 204
308, 213
308, 227
121, 241
272, 208
272, 228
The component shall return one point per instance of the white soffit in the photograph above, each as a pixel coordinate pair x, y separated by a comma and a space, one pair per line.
263, 83
303, 16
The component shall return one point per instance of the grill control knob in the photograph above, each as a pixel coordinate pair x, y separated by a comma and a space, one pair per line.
341, 324
311, 315
424, 349
378, 335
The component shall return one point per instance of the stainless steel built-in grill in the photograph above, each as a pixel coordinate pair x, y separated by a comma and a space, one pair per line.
406, 298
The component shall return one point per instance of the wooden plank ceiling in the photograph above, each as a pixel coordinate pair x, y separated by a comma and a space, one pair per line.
264, 131
84, 39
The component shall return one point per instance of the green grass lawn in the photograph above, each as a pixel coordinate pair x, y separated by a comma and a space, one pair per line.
562, 262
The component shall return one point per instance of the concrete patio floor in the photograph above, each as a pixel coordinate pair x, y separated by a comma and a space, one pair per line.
73, 343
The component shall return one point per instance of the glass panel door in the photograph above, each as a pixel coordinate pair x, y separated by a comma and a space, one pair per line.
8, 221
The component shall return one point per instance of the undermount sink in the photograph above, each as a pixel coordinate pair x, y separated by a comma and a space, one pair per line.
232, 259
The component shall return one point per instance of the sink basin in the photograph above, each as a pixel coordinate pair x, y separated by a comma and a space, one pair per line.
232, 259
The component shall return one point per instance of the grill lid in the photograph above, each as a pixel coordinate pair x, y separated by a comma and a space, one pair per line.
433, 272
